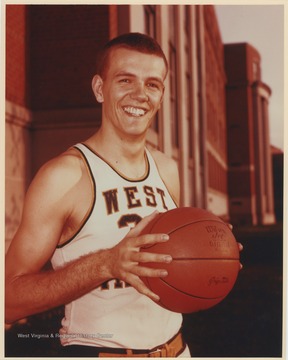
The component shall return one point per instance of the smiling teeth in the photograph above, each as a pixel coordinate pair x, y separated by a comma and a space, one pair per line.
134, 111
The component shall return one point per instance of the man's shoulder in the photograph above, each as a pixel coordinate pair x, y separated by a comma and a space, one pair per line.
163, 161
66, 168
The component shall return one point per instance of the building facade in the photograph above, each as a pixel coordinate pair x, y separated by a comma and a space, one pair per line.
250, 174
51, 53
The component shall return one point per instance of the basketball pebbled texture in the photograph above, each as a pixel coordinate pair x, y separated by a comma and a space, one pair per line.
205, 261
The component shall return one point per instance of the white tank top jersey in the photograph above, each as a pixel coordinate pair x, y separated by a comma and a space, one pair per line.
115, 314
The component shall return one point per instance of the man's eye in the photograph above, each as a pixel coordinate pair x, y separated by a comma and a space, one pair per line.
126, 81
153, 85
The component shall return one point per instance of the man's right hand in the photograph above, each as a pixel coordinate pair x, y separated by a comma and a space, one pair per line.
126, 257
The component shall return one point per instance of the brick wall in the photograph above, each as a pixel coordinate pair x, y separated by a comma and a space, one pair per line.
51, 58
16, 54
64, 40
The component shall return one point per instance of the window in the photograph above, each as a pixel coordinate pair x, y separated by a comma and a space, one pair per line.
188, 77
173, 77
173, 97
150, 20
256, 70
151, 29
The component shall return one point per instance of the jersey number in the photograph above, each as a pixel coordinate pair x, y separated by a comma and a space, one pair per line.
129, 220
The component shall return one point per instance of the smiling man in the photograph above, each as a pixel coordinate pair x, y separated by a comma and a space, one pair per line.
85, 211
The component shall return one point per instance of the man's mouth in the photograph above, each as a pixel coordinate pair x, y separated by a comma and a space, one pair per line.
134, 111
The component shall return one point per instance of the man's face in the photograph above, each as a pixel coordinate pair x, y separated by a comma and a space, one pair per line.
133, 88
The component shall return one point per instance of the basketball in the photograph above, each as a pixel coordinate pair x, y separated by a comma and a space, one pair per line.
205, 261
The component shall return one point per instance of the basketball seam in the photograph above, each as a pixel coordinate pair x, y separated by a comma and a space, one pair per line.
190, 295
190, 223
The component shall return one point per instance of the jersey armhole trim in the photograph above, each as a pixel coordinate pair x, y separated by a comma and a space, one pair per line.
159, 172
89, 212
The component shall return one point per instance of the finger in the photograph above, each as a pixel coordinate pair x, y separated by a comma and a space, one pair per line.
230, 226
143, 223
146, 240
139, 285
240, 246
143, 271
146, 257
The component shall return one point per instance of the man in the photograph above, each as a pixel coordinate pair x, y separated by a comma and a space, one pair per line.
85, 211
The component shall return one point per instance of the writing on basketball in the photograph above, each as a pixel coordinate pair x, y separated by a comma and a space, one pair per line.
218, 280
216, 231
218, 236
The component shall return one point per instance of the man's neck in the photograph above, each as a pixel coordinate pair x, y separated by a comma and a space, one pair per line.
126, 155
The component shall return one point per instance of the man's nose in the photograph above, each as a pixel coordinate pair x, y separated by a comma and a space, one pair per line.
139, 92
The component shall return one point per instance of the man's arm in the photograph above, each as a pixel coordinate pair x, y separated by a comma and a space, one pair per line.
46, 209
48, 205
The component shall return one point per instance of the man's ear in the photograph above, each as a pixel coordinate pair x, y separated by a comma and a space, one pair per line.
161, 100
97, 85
